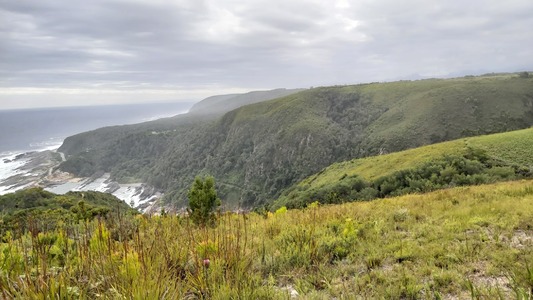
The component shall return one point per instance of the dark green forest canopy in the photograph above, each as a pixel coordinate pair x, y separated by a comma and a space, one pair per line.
258, 150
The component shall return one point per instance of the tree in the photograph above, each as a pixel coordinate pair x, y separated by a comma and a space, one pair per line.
203, 201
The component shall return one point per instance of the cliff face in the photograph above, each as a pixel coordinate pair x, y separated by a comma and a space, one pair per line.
257, 150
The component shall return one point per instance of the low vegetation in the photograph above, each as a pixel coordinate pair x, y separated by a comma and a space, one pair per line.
477, 160
455, 243
35, 209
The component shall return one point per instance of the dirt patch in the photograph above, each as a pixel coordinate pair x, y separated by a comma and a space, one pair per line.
521, 239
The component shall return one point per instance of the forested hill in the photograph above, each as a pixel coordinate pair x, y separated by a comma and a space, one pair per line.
256, 151
202, 112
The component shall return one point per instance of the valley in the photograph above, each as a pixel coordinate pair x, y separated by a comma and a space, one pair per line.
403, 190
302, 150
258, 150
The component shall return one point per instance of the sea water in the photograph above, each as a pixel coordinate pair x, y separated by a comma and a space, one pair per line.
35, 129
40, 129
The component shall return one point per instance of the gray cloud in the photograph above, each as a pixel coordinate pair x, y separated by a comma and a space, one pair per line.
125, 51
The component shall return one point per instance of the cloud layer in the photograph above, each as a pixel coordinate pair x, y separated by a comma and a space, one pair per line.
101, 51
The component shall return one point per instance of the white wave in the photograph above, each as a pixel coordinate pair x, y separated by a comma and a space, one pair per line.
5, 190
131, 194
100, 184
11, 189
9, 166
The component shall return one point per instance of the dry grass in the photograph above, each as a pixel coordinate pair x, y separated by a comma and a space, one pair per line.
455, 243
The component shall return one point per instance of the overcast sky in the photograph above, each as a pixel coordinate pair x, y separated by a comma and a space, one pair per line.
79, 52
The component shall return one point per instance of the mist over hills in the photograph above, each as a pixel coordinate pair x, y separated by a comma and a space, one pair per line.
224, 103
256, 151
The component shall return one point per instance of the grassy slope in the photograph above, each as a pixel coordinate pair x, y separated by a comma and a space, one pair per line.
257, 151
429, 102
513, 147
510, 147
450, 244
421, 246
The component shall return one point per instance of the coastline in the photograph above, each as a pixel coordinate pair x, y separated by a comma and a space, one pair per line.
26, 169
20, 170
35, 161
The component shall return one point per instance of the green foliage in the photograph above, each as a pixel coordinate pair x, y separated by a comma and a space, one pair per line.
84, 213
258, 150
477, 160
282, 210
203, 201
37, 210
409, 247
440, 173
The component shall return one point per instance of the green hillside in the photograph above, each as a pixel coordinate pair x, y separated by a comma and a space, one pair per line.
204, 111
460, 243
500, 156
258, 150
37, 209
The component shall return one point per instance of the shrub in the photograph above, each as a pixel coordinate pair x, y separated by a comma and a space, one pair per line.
203, 200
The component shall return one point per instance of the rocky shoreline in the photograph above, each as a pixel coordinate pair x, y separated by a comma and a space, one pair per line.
37, 169
40, 168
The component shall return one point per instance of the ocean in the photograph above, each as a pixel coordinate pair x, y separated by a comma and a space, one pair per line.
40, 129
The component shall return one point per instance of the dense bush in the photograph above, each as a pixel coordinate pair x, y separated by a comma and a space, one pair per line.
37, 210
474, 167
203, 201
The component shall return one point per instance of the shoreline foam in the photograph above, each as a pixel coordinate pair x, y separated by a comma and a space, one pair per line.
20, 170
